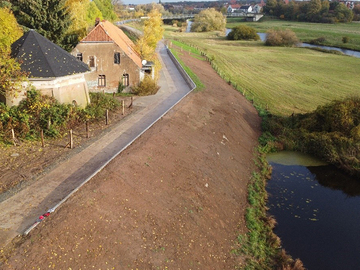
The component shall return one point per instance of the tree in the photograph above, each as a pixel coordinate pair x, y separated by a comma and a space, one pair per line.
107, 9
153, 33
10, 31
208, 20
50, 18
313, 13
78, 11
11, 75
343, 14
92, 13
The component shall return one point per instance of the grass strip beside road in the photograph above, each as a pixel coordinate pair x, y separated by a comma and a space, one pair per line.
196, 80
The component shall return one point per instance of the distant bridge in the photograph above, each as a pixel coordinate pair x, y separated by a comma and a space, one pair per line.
249, 17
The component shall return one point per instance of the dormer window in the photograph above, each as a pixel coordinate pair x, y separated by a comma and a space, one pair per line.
79, 56
117, 58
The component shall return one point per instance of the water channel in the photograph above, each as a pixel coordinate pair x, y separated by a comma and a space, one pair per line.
317, 210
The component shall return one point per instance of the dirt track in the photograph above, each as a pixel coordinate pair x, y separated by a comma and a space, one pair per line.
175, 199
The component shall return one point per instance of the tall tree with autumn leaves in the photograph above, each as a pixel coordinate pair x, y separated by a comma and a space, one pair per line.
152, 34
145, 46
11, 75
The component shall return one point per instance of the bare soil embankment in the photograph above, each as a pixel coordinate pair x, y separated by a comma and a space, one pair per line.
175, 199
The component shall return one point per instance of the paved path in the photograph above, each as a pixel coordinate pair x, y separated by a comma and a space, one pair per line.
22, 210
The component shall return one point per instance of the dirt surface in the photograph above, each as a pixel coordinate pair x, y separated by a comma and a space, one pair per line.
175, 199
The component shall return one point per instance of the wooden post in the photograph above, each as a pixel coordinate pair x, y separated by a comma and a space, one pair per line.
71, 139
131, 103
113, 94
123, 107
107, 117
13, 136
42, 138
87, 129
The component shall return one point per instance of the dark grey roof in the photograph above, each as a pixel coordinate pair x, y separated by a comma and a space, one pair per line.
44, 59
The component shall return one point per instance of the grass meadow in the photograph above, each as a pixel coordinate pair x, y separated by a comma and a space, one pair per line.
333, 33
283, 80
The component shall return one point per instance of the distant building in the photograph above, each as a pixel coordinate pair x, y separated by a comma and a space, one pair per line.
52, 70
246, 9
233, 8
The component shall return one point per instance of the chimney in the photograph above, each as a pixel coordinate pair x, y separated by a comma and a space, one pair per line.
97, 21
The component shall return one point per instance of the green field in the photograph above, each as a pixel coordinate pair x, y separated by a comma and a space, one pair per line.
333, 33
284, 80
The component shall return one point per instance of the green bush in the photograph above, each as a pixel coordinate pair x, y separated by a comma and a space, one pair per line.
317, 41
345, 39
285, 38
99, 103
243, 32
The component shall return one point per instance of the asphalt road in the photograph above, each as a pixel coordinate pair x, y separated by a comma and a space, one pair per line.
21, 211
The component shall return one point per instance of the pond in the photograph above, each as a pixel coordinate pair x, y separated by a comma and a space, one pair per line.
317, 210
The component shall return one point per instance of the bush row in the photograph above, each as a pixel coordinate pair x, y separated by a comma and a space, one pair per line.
38, 112
331, 132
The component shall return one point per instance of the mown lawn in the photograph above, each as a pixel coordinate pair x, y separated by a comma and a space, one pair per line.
333, 33
284, 80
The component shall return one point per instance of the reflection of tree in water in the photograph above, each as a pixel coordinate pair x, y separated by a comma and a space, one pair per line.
331, 177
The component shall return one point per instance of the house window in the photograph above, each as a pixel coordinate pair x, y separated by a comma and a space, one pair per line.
79, 56
101, 81
117, 58
91, 61
125, 80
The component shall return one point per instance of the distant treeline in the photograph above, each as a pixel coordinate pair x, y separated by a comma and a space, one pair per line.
312, 11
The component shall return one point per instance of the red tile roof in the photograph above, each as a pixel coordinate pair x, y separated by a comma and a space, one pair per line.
107, 32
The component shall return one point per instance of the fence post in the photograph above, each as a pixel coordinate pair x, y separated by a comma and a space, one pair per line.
71, 139
87, 129
107, 117
123, 107
131, 103
42, 138
13, 136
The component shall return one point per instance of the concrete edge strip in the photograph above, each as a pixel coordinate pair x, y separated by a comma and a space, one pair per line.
192, 85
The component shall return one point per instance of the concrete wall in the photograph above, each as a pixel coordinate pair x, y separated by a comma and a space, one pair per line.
104, 65
183, 73
69, 90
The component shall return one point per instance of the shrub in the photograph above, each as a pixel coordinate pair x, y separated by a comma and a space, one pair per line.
331, 132
243, 32
99, 104
147, 86
285, 38
345, 39
317, 41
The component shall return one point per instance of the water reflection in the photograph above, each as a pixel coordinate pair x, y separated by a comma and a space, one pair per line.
317, 209
330, 177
